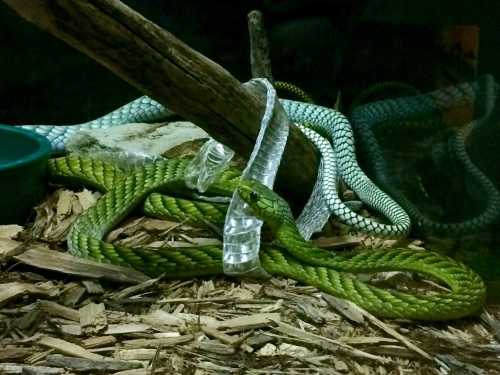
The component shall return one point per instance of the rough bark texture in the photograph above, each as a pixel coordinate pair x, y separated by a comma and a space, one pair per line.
260, 62
259, 47
163, 67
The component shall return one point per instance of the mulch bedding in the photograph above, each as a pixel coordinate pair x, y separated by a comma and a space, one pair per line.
65, 315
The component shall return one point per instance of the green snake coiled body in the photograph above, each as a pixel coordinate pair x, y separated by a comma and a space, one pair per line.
323, 121
289, 255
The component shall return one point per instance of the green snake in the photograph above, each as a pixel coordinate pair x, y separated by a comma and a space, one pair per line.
289, 255
324, 122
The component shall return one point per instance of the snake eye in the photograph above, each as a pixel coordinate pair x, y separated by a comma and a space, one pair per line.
254, 197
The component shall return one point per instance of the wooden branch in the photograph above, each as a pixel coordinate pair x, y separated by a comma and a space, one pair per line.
260, 61
166, 69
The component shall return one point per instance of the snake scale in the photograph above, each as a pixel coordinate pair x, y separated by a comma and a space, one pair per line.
289, 255
425, 113
324, 123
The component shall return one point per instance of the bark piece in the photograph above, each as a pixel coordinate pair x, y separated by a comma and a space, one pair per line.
93, 318
13, 290
90, 365
68, 264
68, 348
55, 309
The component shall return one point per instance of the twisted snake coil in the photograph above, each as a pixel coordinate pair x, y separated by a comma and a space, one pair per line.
291, 256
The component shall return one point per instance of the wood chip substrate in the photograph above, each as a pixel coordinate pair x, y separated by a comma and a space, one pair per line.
64, 315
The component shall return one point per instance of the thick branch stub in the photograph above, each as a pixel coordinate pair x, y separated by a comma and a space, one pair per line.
297, 146
260, 61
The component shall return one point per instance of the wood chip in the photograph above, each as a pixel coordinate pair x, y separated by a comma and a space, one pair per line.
234, 341
9, 248
215, 347
15, 369
396, 351
267, 350
125, 328
367, 340
13, 290
73, 295
153, 343
98, 342
247, 322
259, 340
14, 354
71, 329
93, 287
112, 329
29, 320
215, 333
340, 365
158, 225
64, 204
294, 351
93, 318
86, 198
10, 231
158, 371
326, 343
308, 312
134, 289
345, 308
198, 300
90, 365
161, 318
493, 324
68, 348
68, 264
55, 309
390, 331
458, 367
137, 354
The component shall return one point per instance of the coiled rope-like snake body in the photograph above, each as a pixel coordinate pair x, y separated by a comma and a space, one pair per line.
424, 112
321, 121
291, 255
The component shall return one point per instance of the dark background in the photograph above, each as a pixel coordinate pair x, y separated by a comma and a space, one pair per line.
323, 46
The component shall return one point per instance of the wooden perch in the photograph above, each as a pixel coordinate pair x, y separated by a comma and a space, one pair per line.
260, 61
164, 68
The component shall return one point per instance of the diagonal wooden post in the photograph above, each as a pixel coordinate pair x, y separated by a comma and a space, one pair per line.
164, 68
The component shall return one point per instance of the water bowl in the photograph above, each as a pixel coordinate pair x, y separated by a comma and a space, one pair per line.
23, 173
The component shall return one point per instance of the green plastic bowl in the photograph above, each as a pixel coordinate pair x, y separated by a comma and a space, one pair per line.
23, 173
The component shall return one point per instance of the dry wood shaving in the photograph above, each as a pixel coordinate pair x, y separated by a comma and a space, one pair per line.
64, 315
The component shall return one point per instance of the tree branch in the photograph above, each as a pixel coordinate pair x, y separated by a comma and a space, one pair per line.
260, 62
164, 68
